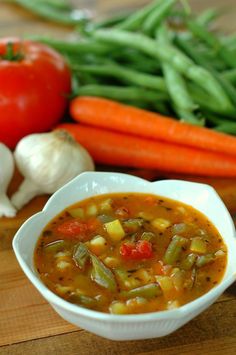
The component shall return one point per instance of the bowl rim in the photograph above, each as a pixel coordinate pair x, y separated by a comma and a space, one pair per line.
56, 300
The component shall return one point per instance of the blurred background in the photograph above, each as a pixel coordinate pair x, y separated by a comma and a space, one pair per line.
17, 20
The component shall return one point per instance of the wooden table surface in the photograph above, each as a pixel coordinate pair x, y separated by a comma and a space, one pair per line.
28, 325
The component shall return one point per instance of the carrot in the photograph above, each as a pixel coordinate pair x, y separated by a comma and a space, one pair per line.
113, 148
109, 114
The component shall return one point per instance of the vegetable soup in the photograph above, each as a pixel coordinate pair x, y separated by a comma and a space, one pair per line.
127, 253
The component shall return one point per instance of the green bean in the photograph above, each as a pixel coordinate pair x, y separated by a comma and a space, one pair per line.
212, 118
220, 124
230, 75
189, 261
214, 61
135, 20
121, 275
229, 41
102, 275
162, 107
147, 67
147, 291
227, 86
50, 11
159, 13
111, 21
74, 86
62, 5
213, 87
139, 104
204, 260
170, 54
147, 236
129, 75
90, 26
226, 127
83, 300
54, 247
75, 47
189, 48
183, 103
146, 45
132, 225
204, 100
122, 93
208, 16
174, 249
136, 60
57, 4
80, 255
200, 32
188, 117
87, 79
196, 55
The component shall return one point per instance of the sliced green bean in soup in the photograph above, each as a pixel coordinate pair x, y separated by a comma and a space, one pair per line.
127, 253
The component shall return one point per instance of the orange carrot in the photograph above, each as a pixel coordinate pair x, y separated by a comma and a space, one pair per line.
109, 114
125, 150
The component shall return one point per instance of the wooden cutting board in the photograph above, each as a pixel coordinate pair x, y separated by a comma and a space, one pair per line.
24, 314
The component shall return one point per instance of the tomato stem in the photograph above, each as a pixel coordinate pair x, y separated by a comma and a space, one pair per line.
11, 55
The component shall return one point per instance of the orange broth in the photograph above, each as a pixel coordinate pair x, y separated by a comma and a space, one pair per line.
127, 253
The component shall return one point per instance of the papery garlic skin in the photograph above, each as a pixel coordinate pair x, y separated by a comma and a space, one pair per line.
6, 172
48, 161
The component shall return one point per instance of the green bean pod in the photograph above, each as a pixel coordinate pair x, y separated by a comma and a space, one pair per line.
174, 249
128, 75
122, 93
201, 32
205, 259
84, 46
102, 275
179, 60
147, 291
135, 20
155, 18
51, 10
183, 103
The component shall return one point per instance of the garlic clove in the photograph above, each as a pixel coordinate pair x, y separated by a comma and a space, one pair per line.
48, 161
6, 173
25, 193
6, 208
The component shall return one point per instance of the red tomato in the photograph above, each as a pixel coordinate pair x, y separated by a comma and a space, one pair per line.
140, 250
73, 229
33, 89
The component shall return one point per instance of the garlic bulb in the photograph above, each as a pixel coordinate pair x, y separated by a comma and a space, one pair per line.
48, 161
6, 172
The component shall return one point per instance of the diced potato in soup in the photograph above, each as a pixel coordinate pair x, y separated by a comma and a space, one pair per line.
129, 253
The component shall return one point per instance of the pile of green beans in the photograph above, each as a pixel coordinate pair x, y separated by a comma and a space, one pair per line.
59, 11
162, 57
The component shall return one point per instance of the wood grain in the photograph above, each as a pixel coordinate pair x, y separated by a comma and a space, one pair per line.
217, 335
27, 322
21, 305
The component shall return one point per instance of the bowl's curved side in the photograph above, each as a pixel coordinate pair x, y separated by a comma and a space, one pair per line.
93, 183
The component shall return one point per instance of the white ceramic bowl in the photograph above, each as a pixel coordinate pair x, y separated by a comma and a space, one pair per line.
127, 327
